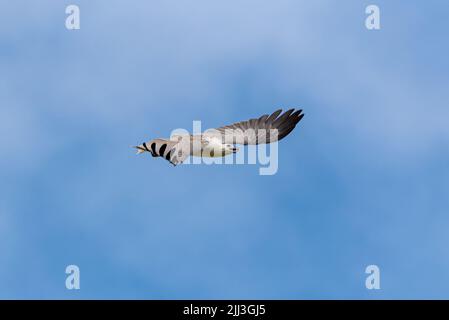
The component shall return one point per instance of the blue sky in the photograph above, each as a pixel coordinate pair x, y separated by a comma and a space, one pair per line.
362, 180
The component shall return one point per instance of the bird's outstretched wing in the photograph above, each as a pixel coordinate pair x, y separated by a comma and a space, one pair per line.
266, 129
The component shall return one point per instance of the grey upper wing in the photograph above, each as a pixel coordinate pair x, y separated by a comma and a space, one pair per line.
266, 129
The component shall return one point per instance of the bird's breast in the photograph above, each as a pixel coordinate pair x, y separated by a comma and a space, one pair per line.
210, 149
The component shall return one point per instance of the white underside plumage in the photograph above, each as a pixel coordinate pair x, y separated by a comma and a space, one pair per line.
212, 147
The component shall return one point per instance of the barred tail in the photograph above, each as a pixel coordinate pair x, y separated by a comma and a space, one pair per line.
158, 148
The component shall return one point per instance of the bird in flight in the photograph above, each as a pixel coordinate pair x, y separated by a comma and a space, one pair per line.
223, 140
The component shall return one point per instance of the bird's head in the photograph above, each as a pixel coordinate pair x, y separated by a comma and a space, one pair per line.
230, 148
